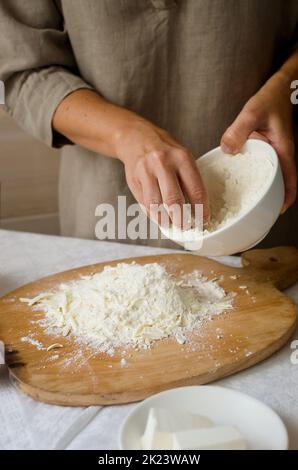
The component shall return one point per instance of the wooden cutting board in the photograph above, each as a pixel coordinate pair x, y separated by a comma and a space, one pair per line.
262, 320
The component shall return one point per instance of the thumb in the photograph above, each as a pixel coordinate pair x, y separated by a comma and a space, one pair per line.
237, 134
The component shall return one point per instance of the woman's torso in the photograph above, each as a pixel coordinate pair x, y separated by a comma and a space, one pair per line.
187, 65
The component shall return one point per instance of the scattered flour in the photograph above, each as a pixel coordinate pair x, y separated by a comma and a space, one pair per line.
53, 358
131, 305
34, 342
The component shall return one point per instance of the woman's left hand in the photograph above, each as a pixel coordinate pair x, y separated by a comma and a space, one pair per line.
268, 115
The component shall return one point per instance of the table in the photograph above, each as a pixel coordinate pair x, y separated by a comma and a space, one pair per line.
26, 424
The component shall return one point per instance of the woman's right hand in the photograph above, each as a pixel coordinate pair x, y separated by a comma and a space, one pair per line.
160, 171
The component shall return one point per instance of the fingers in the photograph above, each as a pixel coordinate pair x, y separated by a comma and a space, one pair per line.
285, 150
135, 186
193, 186
145, 188
172, 196
169, 178
152, 198
162, 196
236, 135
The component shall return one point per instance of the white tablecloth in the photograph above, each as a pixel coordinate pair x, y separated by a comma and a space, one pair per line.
26, 424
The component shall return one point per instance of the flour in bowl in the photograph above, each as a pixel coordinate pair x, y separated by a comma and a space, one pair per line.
131, 305
234, 184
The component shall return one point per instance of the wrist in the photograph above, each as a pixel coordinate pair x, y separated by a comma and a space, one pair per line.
279, 86
289, 71
129, 134
285, 78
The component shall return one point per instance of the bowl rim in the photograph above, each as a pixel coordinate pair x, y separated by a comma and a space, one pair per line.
238, 393
276, 166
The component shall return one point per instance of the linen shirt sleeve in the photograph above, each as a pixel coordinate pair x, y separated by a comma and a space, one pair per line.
37, 65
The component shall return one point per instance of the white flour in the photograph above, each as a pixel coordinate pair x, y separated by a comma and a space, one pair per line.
131, 304
234, 184
34, 342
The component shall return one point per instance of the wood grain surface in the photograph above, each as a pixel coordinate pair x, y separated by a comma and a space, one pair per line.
262, 320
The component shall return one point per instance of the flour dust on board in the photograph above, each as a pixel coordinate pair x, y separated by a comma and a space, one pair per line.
131, 305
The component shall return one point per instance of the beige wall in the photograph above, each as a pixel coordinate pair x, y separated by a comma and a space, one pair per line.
29, 179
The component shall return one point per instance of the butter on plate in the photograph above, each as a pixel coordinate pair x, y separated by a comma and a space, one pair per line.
215, 438
181, 430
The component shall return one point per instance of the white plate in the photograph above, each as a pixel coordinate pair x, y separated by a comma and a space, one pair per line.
260, 426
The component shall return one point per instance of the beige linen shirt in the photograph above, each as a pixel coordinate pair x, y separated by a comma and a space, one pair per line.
187, 65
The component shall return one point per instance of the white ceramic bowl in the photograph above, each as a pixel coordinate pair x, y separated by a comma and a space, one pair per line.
252, 226
260, 426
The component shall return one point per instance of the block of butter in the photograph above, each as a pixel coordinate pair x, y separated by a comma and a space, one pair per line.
212, 438
162, 424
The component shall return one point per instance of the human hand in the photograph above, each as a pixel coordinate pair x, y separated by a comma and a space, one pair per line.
160, 171
268, 116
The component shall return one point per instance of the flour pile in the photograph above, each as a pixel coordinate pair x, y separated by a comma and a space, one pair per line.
131, 305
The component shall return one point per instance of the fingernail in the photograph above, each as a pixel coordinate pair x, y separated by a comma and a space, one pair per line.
199, 216
226, 149
283, 209
206, 221
186, 217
